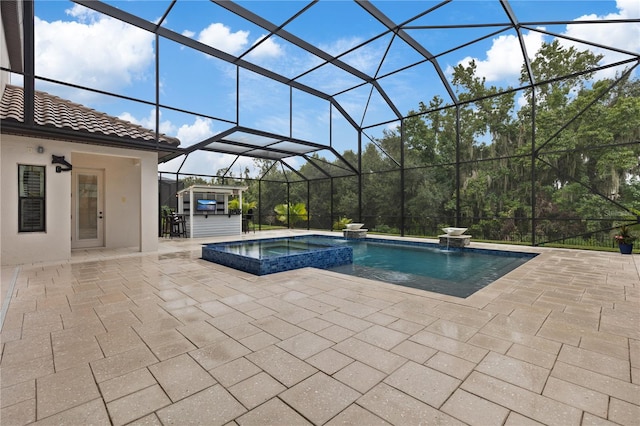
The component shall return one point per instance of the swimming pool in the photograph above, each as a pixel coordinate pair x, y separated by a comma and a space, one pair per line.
456, 272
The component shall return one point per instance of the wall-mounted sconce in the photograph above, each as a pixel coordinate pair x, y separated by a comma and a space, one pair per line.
55, 159
40, 149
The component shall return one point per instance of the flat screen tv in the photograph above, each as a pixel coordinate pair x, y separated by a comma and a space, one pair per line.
206, 205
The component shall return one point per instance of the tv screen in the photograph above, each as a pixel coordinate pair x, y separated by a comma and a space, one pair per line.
206, 205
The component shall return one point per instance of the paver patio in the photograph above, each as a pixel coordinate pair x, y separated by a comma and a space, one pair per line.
115, 337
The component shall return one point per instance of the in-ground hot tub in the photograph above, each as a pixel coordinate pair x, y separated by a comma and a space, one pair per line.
262, 257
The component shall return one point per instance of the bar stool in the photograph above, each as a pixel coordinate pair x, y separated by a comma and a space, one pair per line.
178, 226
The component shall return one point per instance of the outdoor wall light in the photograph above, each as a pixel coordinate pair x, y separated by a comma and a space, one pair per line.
55, 159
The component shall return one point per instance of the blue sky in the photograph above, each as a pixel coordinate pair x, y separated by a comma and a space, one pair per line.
79, 46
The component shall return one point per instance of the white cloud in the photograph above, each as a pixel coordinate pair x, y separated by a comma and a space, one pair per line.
366, 58
623, 36
629, 8
268, 48
521, 101
341, 45
208, 163
204, 162
504, 59
198, 162
196, 132
189, 133
81, 12
93, 50
149, 122
219, 36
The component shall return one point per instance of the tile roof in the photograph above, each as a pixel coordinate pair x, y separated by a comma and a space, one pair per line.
60, 113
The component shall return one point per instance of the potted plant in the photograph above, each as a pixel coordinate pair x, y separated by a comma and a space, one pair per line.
625, 240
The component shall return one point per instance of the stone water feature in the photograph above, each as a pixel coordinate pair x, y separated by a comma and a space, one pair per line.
454, 237
354, 230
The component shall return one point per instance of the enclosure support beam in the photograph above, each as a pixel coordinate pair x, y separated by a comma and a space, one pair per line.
331, 204
308, 206
259, 205
288, 205
360, 176
458, 213
402, 191
29, 62
533, 166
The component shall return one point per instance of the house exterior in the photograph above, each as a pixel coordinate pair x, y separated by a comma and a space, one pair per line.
70, 177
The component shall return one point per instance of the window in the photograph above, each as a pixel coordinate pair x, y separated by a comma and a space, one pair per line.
31, 198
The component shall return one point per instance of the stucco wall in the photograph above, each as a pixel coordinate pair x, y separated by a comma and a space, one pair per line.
121, 196
131, 198
4, 79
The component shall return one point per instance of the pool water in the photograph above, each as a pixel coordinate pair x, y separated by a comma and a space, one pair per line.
459, 272
268, 248
425, 266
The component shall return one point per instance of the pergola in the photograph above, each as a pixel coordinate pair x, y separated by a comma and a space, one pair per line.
318, 112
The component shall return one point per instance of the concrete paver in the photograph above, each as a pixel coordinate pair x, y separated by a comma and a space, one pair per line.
119, 337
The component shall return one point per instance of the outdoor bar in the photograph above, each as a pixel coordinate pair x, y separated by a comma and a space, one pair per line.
211, 210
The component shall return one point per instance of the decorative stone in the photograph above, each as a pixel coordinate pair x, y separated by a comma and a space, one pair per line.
354, 233
454, 240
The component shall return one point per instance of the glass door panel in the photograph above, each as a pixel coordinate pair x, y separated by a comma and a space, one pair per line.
87, 223
87, 207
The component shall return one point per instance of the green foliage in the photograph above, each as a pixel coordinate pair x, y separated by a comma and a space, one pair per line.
386, 229
248, 205
291, 213
581, 162
195, 180
341, 223
234, 204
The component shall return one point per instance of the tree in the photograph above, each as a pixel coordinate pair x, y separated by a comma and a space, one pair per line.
195, 180
584, 158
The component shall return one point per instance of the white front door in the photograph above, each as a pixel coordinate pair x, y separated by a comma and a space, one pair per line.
87, 215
